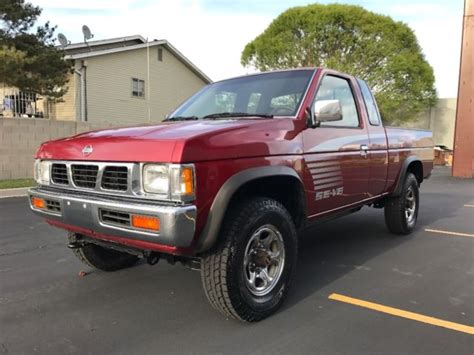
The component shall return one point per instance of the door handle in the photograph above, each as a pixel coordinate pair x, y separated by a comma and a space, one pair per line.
363, 150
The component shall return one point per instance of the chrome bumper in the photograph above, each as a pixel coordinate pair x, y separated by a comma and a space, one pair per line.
177, 223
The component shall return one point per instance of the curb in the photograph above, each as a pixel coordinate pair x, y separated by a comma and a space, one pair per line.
18, 192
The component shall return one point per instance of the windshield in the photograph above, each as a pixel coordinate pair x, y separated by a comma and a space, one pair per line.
265, 95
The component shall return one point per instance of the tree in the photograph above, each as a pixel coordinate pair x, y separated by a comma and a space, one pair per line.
29, 60
350, 39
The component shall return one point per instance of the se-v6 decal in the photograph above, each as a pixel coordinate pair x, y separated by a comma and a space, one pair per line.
321, 195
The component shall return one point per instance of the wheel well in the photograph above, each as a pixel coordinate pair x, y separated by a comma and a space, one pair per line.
417, 169
287, 190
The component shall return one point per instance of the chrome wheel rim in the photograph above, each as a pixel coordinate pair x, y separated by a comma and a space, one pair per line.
264, 260
410, 205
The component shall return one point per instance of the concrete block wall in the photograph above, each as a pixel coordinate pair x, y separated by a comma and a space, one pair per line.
440, 120
20, 138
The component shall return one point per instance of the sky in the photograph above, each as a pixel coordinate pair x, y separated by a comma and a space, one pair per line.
213, 33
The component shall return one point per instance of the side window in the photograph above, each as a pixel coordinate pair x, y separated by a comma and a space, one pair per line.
370, 104
335, 88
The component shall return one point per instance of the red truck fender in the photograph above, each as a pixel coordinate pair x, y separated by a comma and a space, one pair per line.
411, 164
223, 197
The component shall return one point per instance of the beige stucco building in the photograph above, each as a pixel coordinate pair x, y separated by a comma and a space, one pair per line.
125, 81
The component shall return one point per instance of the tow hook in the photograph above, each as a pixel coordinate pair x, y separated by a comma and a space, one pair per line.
152, 258
75, 245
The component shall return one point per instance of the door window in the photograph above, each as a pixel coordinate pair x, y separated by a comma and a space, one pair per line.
336, 88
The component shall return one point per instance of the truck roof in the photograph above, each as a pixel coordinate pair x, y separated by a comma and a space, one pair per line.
282, 70
269, 72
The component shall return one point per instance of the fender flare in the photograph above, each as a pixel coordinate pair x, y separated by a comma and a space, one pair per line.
221, 201
403, 172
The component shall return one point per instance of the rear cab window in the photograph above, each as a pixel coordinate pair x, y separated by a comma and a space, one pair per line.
370, 104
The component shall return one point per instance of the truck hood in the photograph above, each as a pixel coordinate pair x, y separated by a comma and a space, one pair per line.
177, 142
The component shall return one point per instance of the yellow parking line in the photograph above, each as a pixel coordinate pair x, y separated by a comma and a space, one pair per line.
472, 206
403, 314
449, 233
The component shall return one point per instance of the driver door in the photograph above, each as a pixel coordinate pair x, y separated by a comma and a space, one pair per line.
335, 153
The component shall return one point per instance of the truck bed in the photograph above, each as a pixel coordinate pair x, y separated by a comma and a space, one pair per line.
403, 143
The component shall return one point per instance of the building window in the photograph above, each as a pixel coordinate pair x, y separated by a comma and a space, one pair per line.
138, 87
160, 54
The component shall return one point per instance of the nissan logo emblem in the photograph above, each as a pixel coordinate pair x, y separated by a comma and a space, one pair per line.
87, 150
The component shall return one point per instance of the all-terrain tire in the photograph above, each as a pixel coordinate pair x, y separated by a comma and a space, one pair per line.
101, 258
397, 219
223, 271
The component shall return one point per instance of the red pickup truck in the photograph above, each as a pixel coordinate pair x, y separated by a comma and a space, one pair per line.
230, 179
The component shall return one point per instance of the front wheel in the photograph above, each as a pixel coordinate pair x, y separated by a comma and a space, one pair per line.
401, 212
248, 275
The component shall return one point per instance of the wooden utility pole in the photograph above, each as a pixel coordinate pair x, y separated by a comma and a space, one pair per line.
463, 160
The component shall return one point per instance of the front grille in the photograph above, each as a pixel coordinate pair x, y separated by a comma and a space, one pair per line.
59, 174
84, 175
107, 177
114, 217
115, 178
52, 205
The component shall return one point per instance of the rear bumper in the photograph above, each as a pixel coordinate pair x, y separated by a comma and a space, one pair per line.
86, 213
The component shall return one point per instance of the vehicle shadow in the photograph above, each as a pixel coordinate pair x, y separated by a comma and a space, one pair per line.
435, 206
335, 248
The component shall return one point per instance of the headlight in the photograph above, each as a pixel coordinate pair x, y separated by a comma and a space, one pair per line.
156, 179
42, 171
173, 180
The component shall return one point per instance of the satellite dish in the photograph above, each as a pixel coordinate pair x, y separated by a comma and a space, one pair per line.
63, 40
87, 32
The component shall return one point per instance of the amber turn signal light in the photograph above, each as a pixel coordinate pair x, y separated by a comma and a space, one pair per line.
37, 202
187, 181
146, 222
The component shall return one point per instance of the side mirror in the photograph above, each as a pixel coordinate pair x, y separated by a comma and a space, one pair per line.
325, 111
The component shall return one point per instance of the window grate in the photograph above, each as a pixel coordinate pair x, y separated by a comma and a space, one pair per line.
138, 87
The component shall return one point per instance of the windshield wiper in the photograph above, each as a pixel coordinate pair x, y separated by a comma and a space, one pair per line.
236, 114
181, 118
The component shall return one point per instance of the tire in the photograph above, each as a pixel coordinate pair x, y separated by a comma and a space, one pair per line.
257, 235
101, 258
400, 213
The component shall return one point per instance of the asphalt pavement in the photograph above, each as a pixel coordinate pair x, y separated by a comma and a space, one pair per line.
47, 308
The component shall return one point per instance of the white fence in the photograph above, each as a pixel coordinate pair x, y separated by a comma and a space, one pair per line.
16, 103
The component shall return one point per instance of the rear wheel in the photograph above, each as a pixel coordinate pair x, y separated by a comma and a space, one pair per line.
101, 258
248, 275
401, 212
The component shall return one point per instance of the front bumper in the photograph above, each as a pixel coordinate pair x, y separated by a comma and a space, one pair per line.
86, 212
